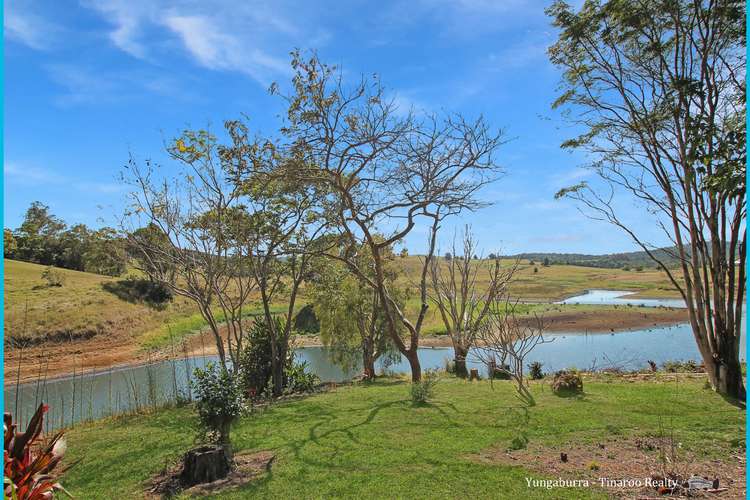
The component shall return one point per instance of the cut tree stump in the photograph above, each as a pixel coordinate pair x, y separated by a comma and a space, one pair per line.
204, 465
474, 375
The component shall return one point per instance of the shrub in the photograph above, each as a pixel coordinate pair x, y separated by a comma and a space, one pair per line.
535, 371
498, 373
53, 277
423, 390
567, 382
219, 401
689, 366
298, 379
30, 462
519, 442
255, 364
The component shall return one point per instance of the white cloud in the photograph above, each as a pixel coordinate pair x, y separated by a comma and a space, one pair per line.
251, 38
215, 49
21, 25
29, 175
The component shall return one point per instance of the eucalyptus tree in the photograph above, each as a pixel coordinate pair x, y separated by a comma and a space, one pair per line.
191, 230
384, 172
658, 90
461, 298
352, 318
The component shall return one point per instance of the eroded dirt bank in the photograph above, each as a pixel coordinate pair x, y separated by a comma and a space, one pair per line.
101, 352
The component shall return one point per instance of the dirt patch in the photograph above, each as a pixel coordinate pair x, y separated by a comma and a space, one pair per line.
247, 467
626, 467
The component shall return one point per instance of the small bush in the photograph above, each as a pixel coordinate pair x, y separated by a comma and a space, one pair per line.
519, 442
594, 465
535, 371
298, 379
423, 390
567, 382
689, 366
219, 401
53, 277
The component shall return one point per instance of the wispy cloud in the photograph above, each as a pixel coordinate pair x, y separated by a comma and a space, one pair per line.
251, 38
84, 85
28, 175
23, 174
22, 25
216, 49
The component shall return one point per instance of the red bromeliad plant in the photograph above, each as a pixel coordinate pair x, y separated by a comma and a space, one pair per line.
30, 460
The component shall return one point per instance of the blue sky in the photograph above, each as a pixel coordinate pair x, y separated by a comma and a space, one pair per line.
88, 83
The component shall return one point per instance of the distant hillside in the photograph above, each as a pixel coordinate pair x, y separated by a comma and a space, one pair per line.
610, 261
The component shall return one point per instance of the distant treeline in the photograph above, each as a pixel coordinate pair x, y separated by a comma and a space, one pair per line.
632, 260
44, 239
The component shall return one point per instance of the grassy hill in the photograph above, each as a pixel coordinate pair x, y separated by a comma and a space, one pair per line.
90, 305
611, 260
81, 308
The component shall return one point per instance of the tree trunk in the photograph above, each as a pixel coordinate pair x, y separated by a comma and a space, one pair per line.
416, 368
368, 359
277, 373
204, 465
459, 359
726, 377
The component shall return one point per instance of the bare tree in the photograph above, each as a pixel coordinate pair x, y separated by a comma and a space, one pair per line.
504, 342
191, 234
384, 173
462, 306
658, 89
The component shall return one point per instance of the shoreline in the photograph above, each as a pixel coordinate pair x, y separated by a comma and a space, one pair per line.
97, 355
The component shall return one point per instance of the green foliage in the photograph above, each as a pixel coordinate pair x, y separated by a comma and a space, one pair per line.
519, 442
219, 400
255, 369
421, 392
298, 379
44, 239
535, 371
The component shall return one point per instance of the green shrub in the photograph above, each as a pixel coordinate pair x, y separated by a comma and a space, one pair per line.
519, 442
535, 371
219, 400
298, 379
423, 391
255, 364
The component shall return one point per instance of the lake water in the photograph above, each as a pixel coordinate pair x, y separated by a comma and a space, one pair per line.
98, 394
614, 297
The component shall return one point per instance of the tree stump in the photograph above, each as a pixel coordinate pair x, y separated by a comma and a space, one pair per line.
474, 375
204, 465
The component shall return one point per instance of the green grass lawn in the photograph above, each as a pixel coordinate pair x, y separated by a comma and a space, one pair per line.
369, 441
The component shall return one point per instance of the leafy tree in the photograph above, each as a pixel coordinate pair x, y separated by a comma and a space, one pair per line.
105, 253
38, 236
10, 245
379, 169
352, 317
658, 90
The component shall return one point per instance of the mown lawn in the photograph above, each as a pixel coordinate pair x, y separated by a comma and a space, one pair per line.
370, 441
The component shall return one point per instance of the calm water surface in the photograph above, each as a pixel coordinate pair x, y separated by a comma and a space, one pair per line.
98, 394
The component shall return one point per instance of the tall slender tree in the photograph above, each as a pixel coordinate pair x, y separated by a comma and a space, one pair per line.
658, 90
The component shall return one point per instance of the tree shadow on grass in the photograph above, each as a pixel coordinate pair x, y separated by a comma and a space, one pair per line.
139, 291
